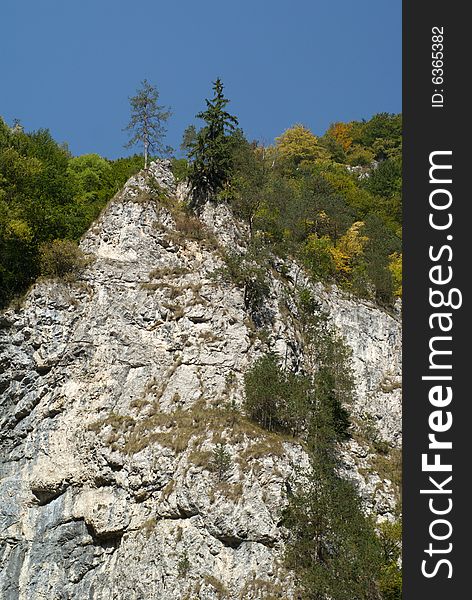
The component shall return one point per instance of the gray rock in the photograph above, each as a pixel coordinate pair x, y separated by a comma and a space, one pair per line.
114, 391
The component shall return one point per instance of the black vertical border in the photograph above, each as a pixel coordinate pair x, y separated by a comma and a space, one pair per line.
427, 129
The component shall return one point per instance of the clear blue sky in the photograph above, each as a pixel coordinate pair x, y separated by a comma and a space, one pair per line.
70, 65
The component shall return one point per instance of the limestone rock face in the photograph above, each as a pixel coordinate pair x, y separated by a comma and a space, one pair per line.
115, 391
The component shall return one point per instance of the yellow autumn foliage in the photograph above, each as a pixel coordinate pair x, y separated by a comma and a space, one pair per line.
342, 261
299, 145
395, 267
353, 241
17, 228
349, 246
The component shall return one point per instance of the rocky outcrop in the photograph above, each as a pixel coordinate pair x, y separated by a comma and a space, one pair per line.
117, 388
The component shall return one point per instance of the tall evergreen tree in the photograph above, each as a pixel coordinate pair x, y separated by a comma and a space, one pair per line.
211, 152
147, 123
333, 548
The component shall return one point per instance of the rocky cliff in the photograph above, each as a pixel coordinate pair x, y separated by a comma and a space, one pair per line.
117, 387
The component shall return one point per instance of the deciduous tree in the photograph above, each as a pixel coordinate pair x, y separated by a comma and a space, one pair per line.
298, 145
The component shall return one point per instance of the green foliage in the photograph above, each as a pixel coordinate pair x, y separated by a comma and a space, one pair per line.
334, 148
189, 139
180, 169
329, 360
122, 169
45, 195
298, 146
210, 150
249, 272
90, 175
317, 253
221, 461
300, 199
147, 122
338, 140
295, 403
61, 258
276, 399
360, 157
298, 196
390, 582
264, 393
382, 243
382, 133
386, 179
333, 547
247, 190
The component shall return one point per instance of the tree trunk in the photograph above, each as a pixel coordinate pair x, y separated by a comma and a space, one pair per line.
146, 140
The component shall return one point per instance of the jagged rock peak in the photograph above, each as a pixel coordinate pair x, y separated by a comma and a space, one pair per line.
159, 171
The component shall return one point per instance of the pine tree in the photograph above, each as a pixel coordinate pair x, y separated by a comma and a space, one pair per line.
147, 123
211, 153
221, 461
332, 548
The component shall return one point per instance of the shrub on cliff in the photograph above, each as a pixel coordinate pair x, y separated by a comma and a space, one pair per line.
391, 575
61, 258
276, 399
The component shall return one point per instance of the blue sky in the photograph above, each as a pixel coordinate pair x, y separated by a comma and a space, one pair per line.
70, 65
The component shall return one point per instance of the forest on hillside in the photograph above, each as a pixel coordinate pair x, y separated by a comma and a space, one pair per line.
333, 202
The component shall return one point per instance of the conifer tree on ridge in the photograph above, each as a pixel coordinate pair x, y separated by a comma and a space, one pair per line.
147, 123
210, 152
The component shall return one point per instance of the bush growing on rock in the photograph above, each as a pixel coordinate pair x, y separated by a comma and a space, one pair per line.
332, 546
264, 387
276, 399
314, 401
61, 258
248, 272
391, 574
221, 461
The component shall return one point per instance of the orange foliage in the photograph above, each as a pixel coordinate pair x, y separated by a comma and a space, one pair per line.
342, 133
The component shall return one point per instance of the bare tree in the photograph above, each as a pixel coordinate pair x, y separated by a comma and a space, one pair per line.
147, 123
